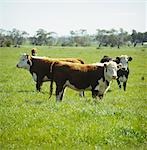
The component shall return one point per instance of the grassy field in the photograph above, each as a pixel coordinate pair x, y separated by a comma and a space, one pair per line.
29, 120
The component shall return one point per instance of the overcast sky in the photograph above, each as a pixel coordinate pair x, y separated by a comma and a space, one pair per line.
62, 16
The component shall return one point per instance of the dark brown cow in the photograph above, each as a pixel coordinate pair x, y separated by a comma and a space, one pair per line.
93, 77
39, 67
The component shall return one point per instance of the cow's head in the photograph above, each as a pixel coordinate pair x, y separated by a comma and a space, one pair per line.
124, 59
34, 52
110, 70
25, 62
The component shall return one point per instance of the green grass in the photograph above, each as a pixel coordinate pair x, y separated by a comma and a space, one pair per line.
29, 120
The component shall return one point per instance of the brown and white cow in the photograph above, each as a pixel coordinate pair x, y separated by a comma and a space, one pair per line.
93, 77
39, 67
34, 52
123, 72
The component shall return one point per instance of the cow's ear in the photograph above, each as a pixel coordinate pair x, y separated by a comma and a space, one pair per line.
105, 65
29, 60
105, 56
27, 56
117, 60
130, 58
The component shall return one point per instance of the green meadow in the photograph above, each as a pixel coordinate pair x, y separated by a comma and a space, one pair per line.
30, 120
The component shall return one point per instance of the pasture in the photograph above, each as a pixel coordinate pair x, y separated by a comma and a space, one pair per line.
29, 120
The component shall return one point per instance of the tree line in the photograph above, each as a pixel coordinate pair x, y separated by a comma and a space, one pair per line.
80, 37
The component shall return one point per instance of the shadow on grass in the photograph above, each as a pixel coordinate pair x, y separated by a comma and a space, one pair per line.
20, 91
26, 91
34, 102
31, 91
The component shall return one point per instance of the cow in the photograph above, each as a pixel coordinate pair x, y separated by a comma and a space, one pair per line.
39, 67
34, 52
94, 77
123, 72
107, 59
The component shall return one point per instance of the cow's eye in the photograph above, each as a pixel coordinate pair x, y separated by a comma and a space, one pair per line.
110, 69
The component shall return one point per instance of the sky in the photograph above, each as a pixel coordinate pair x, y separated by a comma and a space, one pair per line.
62, 16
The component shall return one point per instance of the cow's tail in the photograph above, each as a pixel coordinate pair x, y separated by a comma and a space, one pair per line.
51, 78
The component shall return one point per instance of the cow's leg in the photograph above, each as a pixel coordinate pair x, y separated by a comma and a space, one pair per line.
94, 93
119, 84
59, 92
101, 96
38, 84
81, 94
124, 85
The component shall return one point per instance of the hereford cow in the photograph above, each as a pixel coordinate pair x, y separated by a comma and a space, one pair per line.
34, 52
93, 77
39, 67
123, 72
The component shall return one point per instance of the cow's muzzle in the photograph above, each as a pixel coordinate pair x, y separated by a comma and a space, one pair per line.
17, 66
124, 69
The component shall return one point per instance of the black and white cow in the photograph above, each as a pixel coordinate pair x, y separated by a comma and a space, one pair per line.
123, 72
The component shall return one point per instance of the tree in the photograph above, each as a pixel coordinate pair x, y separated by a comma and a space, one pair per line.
80, 37
106, 37
134, 37
138, 37
14, 37
17, 37
112, 37
145, 37
43, 37
123, 38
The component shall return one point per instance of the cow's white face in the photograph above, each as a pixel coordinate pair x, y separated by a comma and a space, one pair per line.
110, 70
124, 59
24, 62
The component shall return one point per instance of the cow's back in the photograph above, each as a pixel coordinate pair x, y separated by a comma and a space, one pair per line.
78, 74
